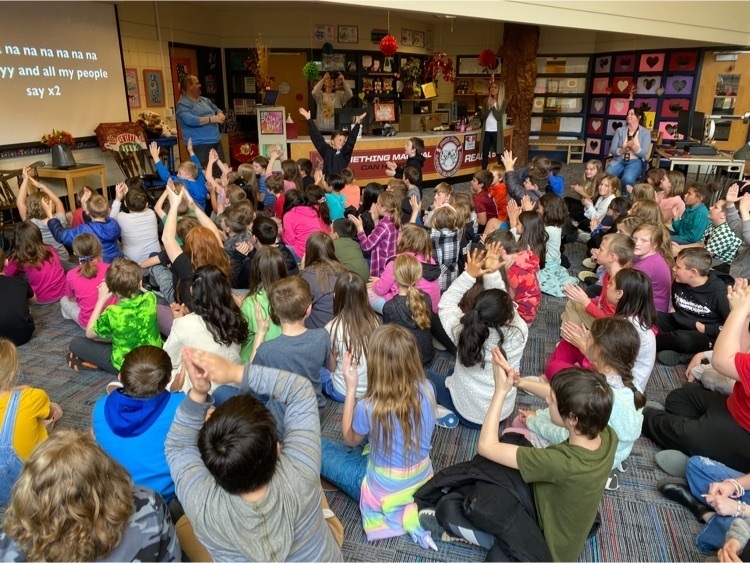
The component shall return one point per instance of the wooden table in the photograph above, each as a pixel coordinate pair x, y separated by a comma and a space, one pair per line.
80, 170
678, 158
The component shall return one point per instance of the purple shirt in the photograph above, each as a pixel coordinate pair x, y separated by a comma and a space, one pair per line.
382, 243
656, 268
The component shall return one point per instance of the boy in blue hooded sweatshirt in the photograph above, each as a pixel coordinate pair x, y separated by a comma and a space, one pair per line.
96, 222
190, 173
132, 422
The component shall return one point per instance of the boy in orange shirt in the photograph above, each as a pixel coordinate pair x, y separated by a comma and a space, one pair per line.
351, 191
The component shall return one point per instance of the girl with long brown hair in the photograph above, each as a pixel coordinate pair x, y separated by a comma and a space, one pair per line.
386, 213
321, 270
353, 323
38, 262
397, 414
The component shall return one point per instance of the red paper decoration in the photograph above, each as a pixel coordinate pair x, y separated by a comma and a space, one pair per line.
488, 59
440, 63
388, 45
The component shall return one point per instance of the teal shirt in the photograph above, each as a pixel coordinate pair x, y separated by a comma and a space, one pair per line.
336, 202
691, 226
129, 323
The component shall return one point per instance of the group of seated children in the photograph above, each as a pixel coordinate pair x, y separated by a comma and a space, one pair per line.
268, 294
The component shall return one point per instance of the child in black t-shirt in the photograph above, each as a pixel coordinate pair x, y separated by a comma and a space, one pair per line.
16, 322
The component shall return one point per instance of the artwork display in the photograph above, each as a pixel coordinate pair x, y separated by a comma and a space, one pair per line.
407, 37
419, 39
272, 122
652, 62
348, 34
324, 32
134, 92
153, 82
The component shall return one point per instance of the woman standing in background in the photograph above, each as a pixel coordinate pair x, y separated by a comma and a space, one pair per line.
493, 112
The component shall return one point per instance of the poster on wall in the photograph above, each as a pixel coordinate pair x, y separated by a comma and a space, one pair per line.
348, 34
134, 93
153, 82
324, 32
272, 122
407, 37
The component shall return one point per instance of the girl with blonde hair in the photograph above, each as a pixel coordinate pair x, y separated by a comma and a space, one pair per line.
653, 257
415, 241
73, 502
411, 308
25, 413
397, 415
493, 118
353, 323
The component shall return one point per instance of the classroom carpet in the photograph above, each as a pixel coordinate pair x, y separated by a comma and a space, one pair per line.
638, 524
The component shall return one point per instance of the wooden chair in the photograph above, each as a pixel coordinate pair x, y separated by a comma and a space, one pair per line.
138, 164
9, 215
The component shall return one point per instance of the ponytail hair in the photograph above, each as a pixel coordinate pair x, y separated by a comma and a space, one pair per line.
87, 248
492, 309
392, 205
407, 271
616, 341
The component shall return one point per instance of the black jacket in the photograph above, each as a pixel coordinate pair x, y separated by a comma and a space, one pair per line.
497, 501
333, 161
417, 161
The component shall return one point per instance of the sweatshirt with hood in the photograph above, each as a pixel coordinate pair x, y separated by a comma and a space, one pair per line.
107, 232
417, 161
299, 223
387, 287
133, 431
397, 311
524, 284
707, 304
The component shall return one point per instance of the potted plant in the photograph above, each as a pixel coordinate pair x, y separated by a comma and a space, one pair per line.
60, 144
411, 72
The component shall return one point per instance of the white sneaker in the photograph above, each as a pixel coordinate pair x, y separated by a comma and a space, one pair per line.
589, 263
445, 418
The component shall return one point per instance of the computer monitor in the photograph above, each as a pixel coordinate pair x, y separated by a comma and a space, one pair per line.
343, 118
683, 124
698, 129
270, 97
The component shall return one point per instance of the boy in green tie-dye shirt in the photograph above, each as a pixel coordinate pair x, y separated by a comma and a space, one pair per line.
129, 323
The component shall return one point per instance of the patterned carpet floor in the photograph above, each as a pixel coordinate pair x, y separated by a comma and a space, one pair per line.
638, 523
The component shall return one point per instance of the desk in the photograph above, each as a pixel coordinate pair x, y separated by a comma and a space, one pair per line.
447, 154
78, 171
717, 161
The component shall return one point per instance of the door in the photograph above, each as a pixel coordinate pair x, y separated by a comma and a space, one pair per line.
286, 70
182, 61
724, 89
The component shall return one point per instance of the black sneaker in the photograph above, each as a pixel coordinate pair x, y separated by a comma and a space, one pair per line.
672, 358
429, 522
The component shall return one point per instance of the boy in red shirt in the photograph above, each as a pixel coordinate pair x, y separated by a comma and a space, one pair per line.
484, 205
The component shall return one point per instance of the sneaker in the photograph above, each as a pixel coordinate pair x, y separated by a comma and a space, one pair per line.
590, 264
672, 462
587, 275
437, 344
672, 358
429, 522
112, 386
622, 467
445, 418
613, 483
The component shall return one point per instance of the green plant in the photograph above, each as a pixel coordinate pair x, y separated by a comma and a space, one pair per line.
411, 71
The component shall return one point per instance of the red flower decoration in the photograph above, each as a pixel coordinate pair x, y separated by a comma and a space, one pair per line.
488, 59
388, 45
